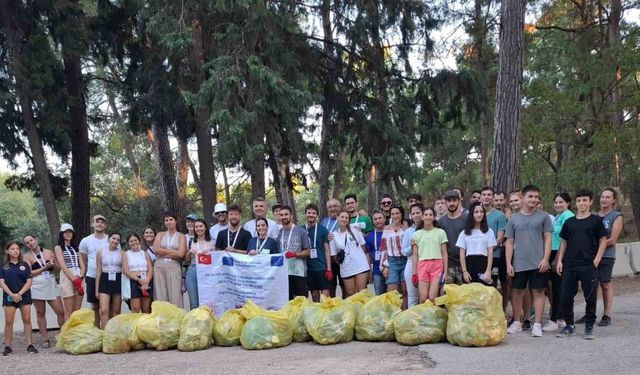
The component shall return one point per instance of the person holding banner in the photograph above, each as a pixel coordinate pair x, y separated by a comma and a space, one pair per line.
262, 244
294, 243
348, 247
171, 247
201, 244
138, 267
234, 239
319, 263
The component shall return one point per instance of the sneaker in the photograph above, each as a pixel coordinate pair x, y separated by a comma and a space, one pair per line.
32, 349
588, 333
536, 331
7, 351
550, 326
561, 323
581, 321
605, 321
46, 344
567, 331
526, 325
515, 327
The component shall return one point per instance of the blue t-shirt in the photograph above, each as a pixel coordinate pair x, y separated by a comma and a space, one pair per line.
497, 221
558, 222
319, 263
331, 224
373, 245
269, 246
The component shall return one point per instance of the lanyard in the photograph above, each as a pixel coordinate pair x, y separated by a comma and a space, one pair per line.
260, 247
315, 236
234, 239
333, 227
171, 240
73, 256
375, 241
40, 258
288, 239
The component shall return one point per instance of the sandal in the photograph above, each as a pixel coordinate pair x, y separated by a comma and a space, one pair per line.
46, 344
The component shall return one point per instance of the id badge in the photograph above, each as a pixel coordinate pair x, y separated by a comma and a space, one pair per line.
314, 253
76, 271
112, 276
47, 275
143, 275
376, 255
495, 271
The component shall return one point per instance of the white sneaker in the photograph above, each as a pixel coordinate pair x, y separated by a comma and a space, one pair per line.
536, 330
561, 323
515, 327
550, 326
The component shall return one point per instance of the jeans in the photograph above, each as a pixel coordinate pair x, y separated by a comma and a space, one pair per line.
191, 282
588, 277
379, 285
412, 292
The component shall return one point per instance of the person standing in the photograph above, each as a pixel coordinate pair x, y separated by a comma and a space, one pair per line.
89, 247
72, 267
476, 197
497, 222
294, 243
453, 224
43, 288
275, 212
385, 207
171, 247
319, 273
476, 244
347, 246
361, 222
234, 239
430, 255
262, 244
149, 236
220, 212
392, 262
201, 244
331, 223
441, 207
15, 281
260, 210
372, 242
138, 267
584, 240
529, 233
109, 279
413, 296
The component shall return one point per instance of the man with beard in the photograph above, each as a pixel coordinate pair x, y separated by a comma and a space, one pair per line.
385, 207
294, 243
234, 239
331, 223
89, 247
453, 223
319, 273
360, 222
260, 210
220, 212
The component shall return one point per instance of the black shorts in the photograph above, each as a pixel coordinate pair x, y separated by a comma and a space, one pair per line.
531, 278
26, 300
500, 263
136, 292
605, 270
90, 283
316, 280
110, 287
297, 287
476, 264
352, 276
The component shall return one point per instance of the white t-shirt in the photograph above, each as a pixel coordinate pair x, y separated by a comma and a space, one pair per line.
477, 243
273, 231
90, 246
214, 230
355, 260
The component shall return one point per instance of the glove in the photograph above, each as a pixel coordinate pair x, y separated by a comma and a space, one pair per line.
414, 279
77, 283
328, 275
290, 254
144, 292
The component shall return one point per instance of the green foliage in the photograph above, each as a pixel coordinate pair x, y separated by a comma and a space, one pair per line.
21, 214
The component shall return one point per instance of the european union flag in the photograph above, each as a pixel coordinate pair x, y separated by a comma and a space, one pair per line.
227, 261
277, 261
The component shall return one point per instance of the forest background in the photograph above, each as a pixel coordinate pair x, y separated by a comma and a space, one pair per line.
128, 108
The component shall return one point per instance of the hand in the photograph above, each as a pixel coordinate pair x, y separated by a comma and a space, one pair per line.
183, 286
596, 262
291, 254
252, 252
328, 274
413, 242
145, 292
414, 279
385, 272
330, 236
229, 249
543, 266
77, 283
466, 277
510, 270
487, 276
559, 268
16, 297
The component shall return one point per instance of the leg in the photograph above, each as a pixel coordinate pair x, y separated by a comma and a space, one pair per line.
56, 306
315, 295
412, 291
607, 297
538, 301
423, 290
77, 303
116, 304
105, 305
25, 312
335, 268
69, 304
324, 292
589, 282
516, 303
135, 305
146, 305
556, 283
403, 291
9, 316
192, 286
434, 289
361, 281
506, 294
526, 305
159, 281
41, 317
349, 287
568, 290
391, 287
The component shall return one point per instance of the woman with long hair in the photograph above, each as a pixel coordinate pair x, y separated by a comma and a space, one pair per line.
348, 247
392, 262
109, 279
200, 244
429, 256
171, 247
138, 267
72, 267
43, 288
476, 245
15, 281
262, 243
148, 236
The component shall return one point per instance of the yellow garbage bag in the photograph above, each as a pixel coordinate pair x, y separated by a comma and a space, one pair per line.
79, 335
161, 328
475, 315
331, 321
294, 309
227, 330
196, 330
265, 329
373, 319
420, 324
120, 334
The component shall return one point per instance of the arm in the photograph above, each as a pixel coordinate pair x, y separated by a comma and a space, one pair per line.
561, 252
544, 263
615, 231
125, 268
6, 289
601, 248
98, 271
509, 254
500, 239
157, 247
149, 269
487, 272
83, 256
63, 268
463, 265
414, 255
25, 287
327, 255
37, 272
182, 248
54, 261
445, 255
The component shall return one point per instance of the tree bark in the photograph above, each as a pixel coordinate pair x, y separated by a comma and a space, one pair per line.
372, 194
505, 165
16, 34
183, 170
170, 203
338, 185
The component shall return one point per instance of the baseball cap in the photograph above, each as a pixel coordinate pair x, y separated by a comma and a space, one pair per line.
451, 194
192, 216
65, 227
219, 207
96, 217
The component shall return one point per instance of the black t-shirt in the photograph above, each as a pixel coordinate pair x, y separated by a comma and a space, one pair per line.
15, 276
242, 243
453, 227
583, 237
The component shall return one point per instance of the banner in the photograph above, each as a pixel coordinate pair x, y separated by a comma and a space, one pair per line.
227, 280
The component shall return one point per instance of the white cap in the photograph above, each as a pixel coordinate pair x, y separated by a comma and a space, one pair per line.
99, 217
65, 227
219, 207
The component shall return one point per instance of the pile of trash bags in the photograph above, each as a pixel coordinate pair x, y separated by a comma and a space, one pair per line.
79, 335
265, 329
227, 330
420, 324
294, 309
330, 321
196, 330
373, 320
121, 335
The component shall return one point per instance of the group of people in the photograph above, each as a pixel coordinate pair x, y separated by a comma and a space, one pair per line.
530, 254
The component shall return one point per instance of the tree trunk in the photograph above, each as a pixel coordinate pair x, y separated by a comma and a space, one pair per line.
372, 193
505, 164
15, 36
183, 170
227, 193
170, 203
338, 184
256, 165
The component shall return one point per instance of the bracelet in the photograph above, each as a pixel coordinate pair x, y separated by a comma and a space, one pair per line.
465, 271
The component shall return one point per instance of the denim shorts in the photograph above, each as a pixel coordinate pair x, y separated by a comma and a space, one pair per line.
396, 270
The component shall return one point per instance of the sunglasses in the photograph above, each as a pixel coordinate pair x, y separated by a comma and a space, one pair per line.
386, 203
221, 213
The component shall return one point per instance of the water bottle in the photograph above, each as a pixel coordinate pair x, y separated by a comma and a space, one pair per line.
481, 277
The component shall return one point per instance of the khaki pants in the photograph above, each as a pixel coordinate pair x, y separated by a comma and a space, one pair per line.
167, 281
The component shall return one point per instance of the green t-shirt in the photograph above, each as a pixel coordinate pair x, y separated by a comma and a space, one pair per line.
364, 222
558, 222
317, 260
497, 221
429, 242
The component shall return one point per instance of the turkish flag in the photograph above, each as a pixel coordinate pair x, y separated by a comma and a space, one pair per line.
204, 258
